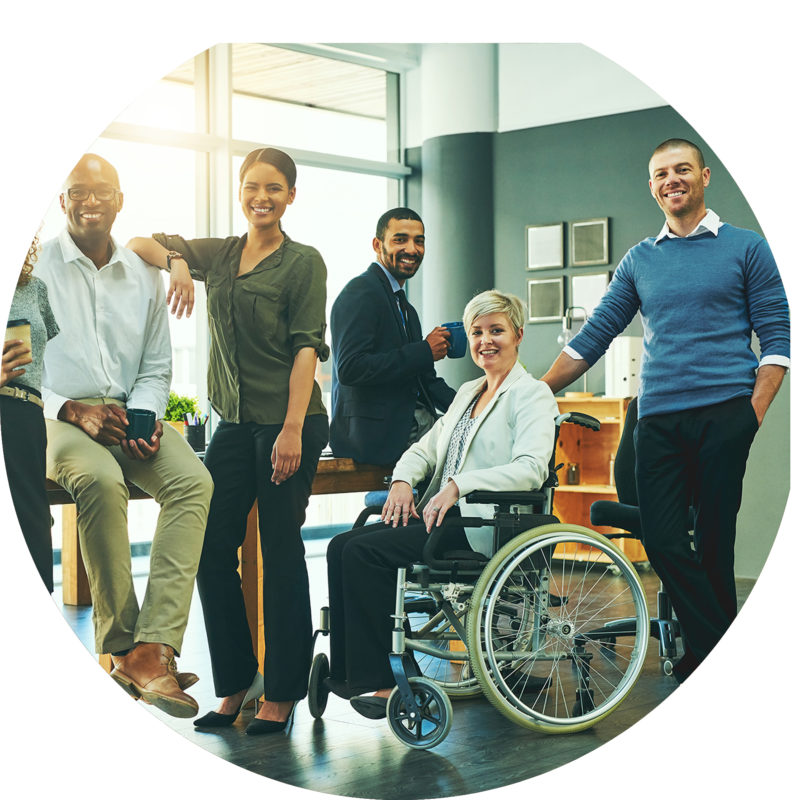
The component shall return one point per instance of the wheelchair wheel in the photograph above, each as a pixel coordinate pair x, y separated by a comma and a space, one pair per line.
440, 654
428, 723
317, 691
558, 668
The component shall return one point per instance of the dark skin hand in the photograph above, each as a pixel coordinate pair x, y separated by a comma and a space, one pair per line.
438, 340
106, 424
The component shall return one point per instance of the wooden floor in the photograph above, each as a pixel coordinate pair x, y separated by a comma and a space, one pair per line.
345, 754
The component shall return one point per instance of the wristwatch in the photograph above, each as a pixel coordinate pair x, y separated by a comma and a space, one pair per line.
172, 255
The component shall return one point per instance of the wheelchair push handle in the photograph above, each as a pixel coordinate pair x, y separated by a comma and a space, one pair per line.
578, 418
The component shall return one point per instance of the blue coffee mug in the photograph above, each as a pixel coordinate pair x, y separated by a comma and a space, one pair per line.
458, 339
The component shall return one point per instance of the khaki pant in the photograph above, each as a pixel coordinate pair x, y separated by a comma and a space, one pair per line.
95, 477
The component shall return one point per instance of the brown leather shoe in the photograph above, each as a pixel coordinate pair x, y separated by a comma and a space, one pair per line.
145, 672
185, 679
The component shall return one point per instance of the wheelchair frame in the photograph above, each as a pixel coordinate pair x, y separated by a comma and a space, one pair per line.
541, 636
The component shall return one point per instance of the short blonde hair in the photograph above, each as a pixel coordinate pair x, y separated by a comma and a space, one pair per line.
494, 301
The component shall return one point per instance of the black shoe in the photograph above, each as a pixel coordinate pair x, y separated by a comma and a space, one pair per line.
257, 726
215, 720
370, 707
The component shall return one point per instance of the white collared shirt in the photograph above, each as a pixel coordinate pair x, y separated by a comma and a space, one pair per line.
709, 224
114, 339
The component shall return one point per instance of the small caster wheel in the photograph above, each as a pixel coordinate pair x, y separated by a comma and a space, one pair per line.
428, 723
317, 691
667, 666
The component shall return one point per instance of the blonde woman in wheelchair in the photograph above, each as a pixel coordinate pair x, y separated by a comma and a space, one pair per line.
498, 436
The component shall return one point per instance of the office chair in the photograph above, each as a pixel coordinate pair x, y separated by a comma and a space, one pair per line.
625, 514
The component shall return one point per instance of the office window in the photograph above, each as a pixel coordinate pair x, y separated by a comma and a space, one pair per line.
290, 99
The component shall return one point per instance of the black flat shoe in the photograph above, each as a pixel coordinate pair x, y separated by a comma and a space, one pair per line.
370, 707
257, 726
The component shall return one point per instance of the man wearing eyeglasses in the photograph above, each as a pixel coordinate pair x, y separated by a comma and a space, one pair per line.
115, 355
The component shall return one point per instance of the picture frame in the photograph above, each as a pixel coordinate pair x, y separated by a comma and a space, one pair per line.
586, 291
589, 242
545, 299
544, 246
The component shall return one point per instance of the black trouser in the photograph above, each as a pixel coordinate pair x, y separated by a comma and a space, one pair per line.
362, 586
698, 458
238, 458
24, 445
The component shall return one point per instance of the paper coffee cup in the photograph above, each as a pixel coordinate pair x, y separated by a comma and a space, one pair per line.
19, 329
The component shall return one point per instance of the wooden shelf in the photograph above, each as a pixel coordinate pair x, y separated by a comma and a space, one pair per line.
588, 488
591, 451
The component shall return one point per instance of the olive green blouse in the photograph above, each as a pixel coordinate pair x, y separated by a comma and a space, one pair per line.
258, 322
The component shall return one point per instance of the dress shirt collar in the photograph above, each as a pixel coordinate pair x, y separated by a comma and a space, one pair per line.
71, 252
392, 280
709, 224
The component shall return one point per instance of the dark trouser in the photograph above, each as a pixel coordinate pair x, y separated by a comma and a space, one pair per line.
24, 446
698, 458
362, 584
238, 459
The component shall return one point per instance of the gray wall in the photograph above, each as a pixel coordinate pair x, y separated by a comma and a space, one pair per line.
590, 168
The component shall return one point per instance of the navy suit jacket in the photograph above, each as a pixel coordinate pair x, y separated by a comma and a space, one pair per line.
379, 370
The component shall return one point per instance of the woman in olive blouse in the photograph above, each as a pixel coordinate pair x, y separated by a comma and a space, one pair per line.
266, 315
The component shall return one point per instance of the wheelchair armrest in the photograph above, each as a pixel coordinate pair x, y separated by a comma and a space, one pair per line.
516, 498
616, 515
621, 515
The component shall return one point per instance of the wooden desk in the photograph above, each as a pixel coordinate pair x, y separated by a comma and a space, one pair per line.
334, 476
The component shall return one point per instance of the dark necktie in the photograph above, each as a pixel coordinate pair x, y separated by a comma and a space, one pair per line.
403, 302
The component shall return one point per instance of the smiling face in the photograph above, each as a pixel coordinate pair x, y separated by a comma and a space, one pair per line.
494, 343
264, 194
678, 182
89, 220
402, 248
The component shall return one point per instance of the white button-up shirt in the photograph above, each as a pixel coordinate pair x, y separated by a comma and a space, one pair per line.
114, 339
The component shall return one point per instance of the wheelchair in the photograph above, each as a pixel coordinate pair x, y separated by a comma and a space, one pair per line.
552, 628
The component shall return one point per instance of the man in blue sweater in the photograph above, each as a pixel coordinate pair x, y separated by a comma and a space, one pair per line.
702, 287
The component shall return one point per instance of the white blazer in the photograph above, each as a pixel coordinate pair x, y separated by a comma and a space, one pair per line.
508, 448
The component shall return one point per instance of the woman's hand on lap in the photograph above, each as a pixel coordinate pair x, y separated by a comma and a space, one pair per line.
439, 505
399, 505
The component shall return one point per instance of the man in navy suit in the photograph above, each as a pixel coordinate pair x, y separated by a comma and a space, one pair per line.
385, 391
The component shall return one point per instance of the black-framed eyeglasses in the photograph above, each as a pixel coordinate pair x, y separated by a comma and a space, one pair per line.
101, 193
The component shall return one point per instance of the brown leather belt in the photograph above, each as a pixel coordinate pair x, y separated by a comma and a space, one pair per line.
21, 394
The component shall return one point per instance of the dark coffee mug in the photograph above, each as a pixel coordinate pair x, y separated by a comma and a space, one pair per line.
141, 424
458, 339
195, 435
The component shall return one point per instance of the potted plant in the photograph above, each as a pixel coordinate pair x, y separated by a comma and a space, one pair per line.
177, 409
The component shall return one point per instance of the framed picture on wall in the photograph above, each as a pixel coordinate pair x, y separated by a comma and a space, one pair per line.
589, 242
545, 300
586, 292
545, 245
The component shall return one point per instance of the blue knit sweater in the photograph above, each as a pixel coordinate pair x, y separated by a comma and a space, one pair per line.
700, 297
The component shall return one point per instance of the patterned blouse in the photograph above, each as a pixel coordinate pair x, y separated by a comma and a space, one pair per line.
455, 451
